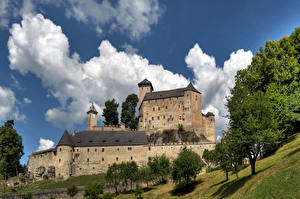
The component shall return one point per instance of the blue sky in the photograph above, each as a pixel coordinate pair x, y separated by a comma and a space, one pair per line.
58, 56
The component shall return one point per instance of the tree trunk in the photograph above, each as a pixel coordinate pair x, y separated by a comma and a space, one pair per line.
226, 175
252, 163
236, 171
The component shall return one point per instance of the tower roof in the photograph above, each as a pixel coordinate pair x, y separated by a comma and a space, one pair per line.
145, 82
65, 139
92, 109
191, 87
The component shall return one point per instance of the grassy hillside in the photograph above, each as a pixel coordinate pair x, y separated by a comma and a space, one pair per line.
278, 176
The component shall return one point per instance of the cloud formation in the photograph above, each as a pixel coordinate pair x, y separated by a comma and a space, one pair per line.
45, 144
8, 108
27, 100
39, 46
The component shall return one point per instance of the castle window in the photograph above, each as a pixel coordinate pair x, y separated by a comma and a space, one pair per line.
131, 158
149, 159
149, 148
88, 150
103, 141
59, 160
95, 150
129, 148
158, 108
153, 126
102, 149
77, 150
93, 167
179, 106
179, 117
117, 158
158, 117
80, 169
102, 159
88, 160
118, 149
116, 140
153, 109
152, 118
164, 117
145, 119
59, 149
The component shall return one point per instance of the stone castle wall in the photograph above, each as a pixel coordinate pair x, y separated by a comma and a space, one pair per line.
78, 161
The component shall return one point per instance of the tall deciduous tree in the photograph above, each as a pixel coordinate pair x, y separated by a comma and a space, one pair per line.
11, 150
110, 112
160, 166
128, 111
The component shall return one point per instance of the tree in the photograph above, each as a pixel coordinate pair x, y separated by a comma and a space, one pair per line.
209, 156
114, 176
11, 150
222, 157
92, 190
145, 175
138, 192
132, 172
128, 111
160, 166
110, 112
72, 191
186, 166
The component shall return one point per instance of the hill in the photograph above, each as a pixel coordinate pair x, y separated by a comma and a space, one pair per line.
278, 176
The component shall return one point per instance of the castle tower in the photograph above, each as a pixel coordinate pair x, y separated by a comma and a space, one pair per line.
92, 117
145, 86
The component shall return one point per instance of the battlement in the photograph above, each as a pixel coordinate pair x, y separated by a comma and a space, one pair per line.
111, 128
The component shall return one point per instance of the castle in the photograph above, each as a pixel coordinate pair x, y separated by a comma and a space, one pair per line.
92, 151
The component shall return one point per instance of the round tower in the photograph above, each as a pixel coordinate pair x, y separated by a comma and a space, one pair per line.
92, 117
145, 86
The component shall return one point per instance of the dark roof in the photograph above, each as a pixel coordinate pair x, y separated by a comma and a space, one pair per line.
108, 138
92, 109
210, 114
65, 140
179, 92
44, 151
145, 82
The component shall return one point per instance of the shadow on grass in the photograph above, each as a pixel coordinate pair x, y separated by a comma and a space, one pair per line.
182, 190
293, 152
231, 187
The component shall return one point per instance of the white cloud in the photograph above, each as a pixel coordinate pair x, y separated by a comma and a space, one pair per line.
38, 46
27, 101
8, 108
130, 16
129, 49
215, 82
45, 144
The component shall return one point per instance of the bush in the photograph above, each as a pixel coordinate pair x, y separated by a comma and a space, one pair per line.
138, 192
72, 191
92, 190
187, 165
107, 195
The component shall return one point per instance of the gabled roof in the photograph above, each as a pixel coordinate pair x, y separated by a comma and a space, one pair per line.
65, 140
179, 92
145, 82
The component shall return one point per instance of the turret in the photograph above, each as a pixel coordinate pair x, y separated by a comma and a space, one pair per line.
92, 117
145, 86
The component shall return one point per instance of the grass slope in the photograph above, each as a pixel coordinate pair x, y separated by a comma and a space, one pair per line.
278, 176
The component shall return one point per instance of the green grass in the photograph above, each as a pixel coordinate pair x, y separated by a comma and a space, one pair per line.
278, 176
52, 184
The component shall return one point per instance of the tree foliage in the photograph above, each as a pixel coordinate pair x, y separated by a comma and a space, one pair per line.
186, 166
11, 150
128, 111
114, 176
110, 112
160, 167
72, 191
92, 190
209, 156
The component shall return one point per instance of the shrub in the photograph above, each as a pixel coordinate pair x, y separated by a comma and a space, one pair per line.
72, 191
138, 192
27, 196
107, 195
92, 190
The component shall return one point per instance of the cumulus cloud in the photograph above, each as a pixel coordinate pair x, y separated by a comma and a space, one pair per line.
130, 16
39, 46
129, 48
8, 108
27, 101
45, 144
215, 82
